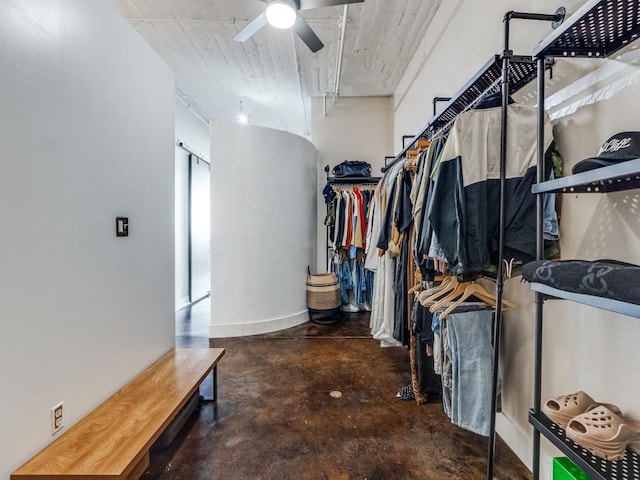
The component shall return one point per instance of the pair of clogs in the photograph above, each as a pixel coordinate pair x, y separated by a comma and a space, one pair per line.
597, 427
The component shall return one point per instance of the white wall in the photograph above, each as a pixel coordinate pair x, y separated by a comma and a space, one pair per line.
194, 132
191, 129
584, 348
355, 128
86, 128
461, 39
263, 228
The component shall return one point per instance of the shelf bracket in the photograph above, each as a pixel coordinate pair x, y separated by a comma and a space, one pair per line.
439, 99
404, 138
388, 157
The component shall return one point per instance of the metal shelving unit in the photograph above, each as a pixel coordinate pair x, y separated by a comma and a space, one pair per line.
597, 30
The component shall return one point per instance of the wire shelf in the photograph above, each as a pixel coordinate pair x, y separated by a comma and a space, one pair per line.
628, 468
614, 178
624, 308
353, 180
598, 29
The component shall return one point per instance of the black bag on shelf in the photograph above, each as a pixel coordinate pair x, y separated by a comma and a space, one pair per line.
352, 168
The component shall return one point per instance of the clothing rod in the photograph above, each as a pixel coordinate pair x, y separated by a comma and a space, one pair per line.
186, 148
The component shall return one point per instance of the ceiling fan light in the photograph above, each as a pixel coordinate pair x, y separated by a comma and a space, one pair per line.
281, 14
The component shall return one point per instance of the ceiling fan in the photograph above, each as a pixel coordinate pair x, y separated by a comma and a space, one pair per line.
284, 14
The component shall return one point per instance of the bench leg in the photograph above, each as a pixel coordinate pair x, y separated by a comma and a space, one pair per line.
214, 374
215, 383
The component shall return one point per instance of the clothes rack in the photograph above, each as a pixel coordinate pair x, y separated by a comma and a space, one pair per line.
506, 74
364, 183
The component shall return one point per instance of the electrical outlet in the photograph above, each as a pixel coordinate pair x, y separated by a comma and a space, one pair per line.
56, 418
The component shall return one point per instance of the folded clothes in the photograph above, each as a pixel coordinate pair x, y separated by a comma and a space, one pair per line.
601, 278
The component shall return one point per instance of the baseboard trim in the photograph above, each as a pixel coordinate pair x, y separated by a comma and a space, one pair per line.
258, 327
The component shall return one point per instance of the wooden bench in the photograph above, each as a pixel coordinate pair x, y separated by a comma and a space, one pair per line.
113, 441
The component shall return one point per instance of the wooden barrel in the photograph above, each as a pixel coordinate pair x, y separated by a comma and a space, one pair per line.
323, 298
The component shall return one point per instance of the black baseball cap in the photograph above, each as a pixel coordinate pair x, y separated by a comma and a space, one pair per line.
619, 148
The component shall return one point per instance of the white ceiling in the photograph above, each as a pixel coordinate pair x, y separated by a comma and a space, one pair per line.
273, 73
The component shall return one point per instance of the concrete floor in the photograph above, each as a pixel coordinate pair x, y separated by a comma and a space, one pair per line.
276, 418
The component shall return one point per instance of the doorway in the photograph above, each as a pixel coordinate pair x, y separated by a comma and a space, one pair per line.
200, 228
193, 228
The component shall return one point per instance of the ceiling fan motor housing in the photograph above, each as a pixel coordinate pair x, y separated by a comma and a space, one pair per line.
281, 13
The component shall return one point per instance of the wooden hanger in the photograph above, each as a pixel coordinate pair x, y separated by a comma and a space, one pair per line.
432, 294
455, 293
476, 290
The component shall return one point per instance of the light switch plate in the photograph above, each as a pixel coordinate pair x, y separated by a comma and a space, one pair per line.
122, 226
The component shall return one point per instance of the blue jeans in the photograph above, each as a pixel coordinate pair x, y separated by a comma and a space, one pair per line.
368, 286
471, 353
346, 282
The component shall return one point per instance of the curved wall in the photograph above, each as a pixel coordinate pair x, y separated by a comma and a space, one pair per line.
263, 228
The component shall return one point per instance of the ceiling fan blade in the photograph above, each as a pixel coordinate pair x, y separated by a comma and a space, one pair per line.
255, 25
309, 4
308, 36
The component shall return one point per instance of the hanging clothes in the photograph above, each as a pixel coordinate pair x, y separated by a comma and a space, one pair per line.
464, 211
445, 217
346, 240
424, 200
402, 222
382, 320
429, 384
373, 229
